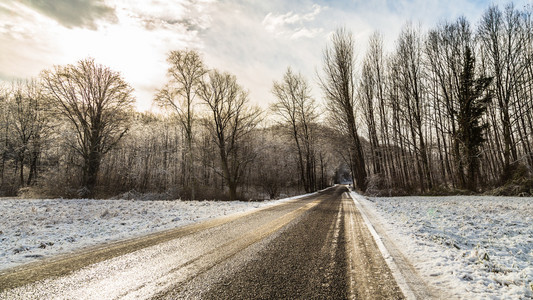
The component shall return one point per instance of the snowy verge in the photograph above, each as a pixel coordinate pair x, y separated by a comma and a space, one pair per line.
31, 230
474, 247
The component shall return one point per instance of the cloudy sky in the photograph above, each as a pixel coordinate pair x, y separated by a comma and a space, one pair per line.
255, 40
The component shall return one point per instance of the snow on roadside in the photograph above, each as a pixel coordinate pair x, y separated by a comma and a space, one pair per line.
34, 229
476, 247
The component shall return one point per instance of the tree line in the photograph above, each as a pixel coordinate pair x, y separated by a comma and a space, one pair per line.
74, 132
446, 110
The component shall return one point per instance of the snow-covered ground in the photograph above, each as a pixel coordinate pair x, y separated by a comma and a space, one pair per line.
34, 229
473, 247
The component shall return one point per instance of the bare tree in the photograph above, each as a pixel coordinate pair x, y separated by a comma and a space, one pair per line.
230, 123
444, 49
371, 99
185, 74
4, 134
97, 103
298, 112
29, 111
274, 169
414, 106
338, 85
502, 44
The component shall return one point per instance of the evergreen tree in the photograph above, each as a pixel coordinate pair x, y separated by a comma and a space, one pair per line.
473, 101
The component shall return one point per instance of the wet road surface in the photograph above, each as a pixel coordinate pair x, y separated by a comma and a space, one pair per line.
316, 247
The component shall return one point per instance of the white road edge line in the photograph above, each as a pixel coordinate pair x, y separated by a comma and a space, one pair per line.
396, 273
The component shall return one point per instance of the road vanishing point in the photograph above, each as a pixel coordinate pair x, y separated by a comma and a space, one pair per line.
316, 247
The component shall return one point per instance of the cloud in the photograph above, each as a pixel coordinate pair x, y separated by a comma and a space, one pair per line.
305, 32
273, 21
74, 13
255, 40
126, 46
291, 24
242, 45
156, 14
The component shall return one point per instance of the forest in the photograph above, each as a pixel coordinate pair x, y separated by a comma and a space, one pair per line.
448, 110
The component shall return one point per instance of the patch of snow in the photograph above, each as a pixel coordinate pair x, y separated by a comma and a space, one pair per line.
34, 229
475, 247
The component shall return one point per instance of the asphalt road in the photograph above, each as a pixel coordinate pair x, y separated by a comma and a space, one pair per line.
316, 247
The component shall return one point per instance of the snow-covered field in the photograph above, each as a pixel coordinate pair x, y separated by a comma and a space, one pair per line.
34, 229
473, 247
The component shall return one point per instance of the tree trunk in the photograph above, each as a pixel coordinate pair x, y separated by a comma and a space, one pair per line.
92, 166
